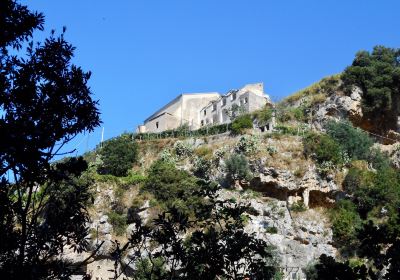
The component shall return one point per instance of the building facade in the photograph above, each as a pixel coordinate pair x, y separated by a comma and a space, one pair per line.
201, 109
182, 110
248, 99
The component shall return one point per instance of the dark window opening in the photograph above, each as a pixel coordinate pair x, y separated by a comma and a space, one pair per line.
157, 124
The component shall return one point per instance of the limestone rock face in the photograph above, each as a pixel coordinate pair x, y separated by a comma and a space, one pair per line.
300, 238
340, 106
284, 186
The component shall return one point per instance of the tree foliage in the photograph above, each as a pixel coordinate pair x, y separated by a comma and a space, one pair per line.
355, 142
44, 103
237, 167
118, 156
322, 148
241, 123
377, 74
211, 246
173, 187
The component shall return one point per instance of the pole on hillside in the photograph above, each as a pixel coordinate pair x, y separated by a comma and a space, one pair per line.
102, 137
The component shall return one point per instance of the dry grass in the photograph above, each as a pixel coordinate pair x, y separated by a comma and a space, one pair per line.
288, 156
319, 90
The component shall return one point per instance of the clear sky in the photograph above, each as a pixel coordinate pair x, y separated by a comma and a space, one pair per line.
143, 53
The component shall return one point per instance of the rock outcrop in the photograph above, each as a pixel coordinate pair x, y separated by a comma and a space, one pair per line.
299, 238
311, 189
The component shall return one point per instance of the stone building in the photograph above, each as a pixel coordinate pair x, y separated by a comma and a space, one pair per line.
200, 109
249, 98
182, 110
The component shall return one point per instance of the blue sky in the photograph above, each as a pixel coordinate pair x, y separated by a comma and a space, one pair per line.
143, 53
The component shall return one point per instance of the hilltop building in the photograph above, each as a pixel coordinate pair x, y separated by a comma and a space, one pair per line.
201, 109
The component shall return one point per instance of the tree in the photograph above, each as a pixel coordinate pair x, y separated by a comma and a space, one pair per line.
377, 74
241, 123
45, 102
213, 245
355, 142
118, 155
172, 187
237, 168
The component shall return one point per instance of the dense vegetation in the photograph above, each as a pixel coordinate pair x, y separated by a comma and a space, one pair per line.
377, 74
365, 222
118, 155
45, 102
173, 187
211, 246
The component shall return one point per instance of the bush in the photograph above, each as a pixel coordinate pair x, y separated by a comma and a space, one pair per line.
241, 123
237, 167
167, 156
183, 150
345, 223
356, 143
263, 116
133, 179
172, 187
298, 207
247, 144
118, 155
202, 167
287, 130
323, 148
118, 221
272, 230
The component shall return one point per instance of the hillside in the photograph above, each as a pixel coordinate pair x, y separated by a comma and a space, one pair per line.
292, 179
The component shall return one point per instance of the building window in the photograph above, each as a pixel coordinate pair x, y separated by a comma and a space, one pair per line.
223, 101
214, 108
246, 100
233, 96
215, 118
205, 112
157, 124
202, 123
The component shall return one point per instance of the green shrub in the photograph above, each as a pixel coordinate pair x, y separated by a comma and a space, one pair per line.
118, 155
183, 150
298, 207
237, 167
345, 223
172, 187
272, 230
287, 130
241, 123
355, 142
263, 116
373, 190
133, 179
247, 144
378, 159
323, 148
154, 270
202, 167
118, 221
167, 156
